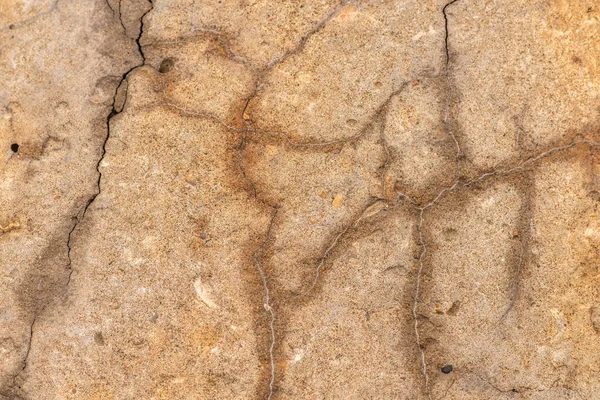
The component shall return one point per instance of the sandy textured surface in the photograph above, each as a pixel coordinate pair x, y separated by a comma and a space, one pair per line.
299, 199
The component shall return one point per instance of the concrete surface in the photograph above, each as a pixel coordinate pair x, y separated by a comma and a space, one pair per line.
290, 199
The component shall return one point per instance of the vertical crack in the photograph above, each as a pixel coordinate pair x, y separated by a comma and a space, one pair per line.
523, 235
520, 168
448, 126
83, 211
267, 304
416, 300
109, 117
446, 31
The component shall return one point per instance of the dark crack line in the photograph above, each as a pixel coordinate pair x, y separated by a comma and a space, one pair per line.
24, 362
121, 19
448, 126
83, 212
446, 31
304, 39
112, 113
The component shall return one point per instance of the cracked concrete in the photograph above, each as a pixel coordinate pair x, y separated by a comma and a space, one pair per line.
299, 200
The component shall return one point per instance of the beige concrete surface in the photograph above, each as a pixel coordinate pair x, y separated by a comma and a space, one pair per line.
311, 199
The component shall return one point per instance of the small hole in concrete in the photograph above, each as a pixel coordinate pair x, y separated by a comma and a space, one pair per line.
98, 338
166, 65
446, 369
14, 147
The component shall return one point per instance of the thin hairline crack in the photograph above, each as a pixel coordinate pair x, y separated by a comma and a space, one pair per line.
268, 306
519, 169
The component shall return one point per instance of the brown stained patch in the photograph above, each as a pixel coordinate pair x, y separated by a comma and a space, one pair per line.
41, 286
243, 178
434, 140
45, 282
287, 303
588, 249
290, 302
520, 256
195, 77
256, 293
436, 326
254, 290
205, 339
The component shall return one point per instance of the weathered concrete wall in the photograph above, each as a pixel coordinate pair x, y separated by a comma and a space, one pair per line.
299, 199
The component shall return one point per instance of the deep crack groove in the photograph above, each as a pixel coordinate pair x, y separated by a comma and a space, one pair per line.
446, 31
82, 213
449, 89
24, 362
109, 117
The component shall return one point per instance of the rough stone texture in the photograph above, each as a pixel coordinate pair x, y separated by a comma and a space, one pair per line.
299, 199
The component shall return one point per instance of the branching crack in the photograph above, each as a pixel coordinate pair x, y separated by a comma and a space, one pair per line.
457, 184
302, 43
297, 49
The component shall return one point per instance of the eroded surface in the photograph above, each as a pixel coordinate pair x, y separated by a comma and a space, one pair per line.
299, 200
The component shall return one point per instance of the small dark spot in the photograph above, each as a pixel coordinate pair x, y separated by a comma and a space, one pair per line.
446, 369
12, 26
594, 194
454, 309
154, 317
367, 315
352, 122
450, 234
590, 9
166, 65
14, 147
203, 235
577, 60
98, 338
378, 84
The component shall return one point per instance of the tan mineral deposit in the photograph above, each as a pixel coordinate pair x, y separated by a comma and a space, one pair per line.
299, 199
